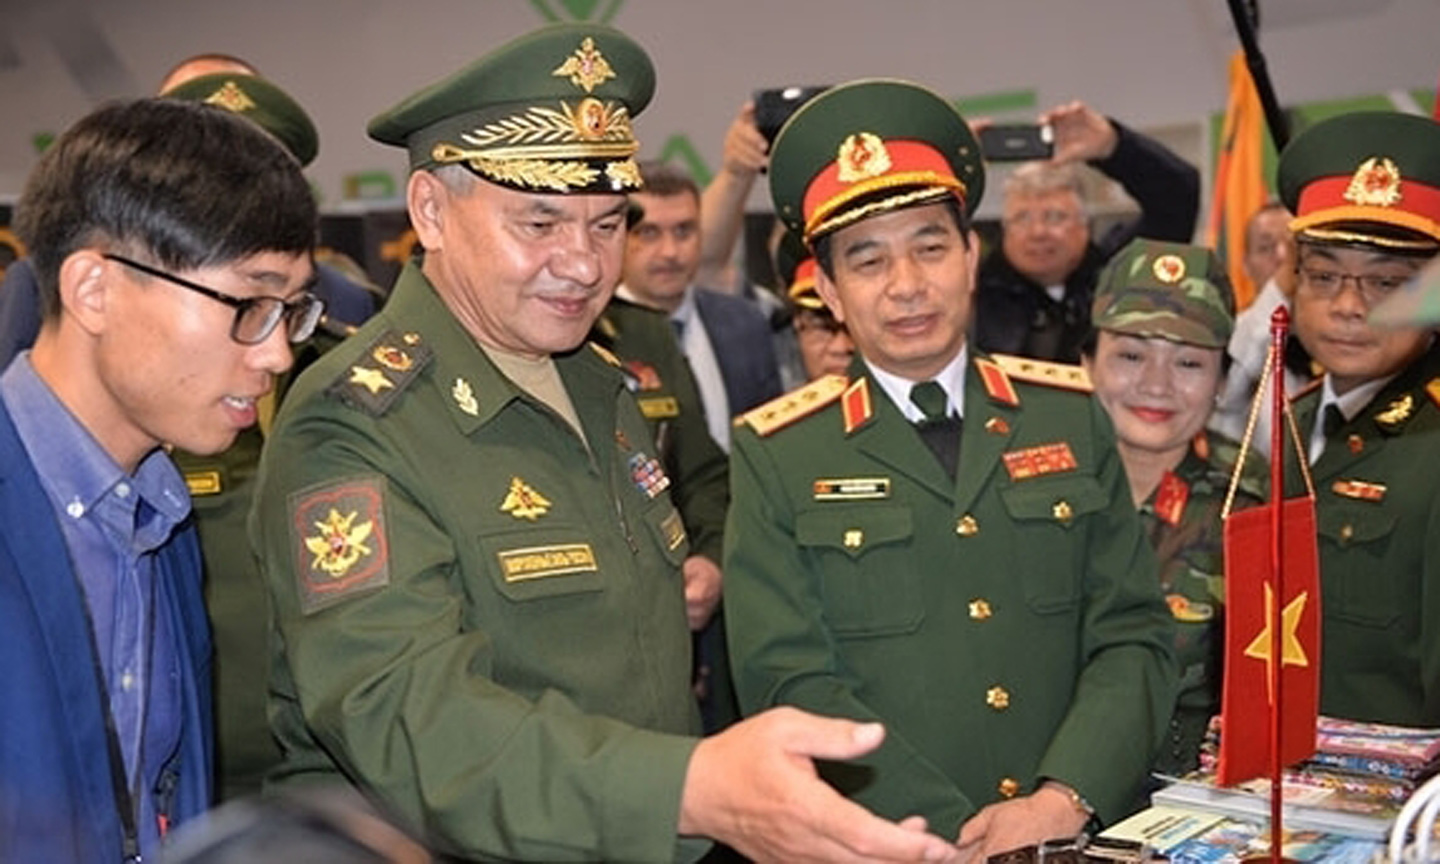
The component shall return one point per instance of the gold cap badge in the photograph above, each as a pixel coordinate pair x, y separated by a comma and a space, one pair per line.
1376, 184
586, 68
862, 156
231, 98
1169, 269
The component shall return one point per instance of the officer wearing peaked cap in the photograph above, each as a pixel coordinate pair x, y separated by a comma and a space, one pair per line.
1365, 191
931, 541
470, 541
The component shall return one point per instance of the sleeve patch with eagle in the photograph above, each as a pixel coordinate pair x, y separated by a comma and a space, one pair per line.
337, 532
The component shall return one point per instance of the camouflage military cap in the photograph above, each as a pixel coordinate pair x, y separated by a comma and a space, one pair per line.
869, 147
796, 268
1370, 177
550, 111
1169, 291
256, 99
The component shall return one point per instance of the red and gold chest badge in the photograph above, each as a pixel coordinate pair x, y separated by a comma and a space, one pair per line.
1171, 497
338, 532
1376, 183
862, 155
646, 377
1038, 461
523, 502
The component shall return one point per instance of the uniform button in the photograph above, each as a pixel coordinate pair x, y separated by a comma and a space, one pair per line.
1063, 512
997, 426
1009, 787
980, 609
1347, 531
967, 526
853, 538
1356, 443
998, 698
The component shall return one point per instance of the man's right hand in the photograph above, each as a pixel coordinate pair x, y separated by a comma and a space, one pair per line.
746, 150
754, 787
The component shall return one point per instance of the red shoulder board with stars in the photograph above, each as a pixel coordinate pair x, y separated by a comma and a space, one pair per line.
784, 410
1171, 497
997, 383
337, 532
855, 405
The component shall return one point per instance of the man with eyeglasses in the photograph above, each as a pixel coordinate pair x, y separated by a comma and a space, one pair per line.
166, 321
1365, 191
1034, 292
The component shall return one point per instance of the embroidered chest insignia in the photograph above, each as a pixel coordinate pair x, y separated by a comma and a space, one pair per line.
339, 535
1038, 461
523, 502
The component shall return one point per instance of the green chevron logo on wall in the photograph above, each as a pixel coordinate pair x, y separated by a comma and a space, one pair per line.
596, 11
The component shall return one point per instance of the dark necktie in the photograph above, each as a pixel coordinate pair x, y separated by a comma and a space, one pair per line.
1332, 420
679, 327
939, 431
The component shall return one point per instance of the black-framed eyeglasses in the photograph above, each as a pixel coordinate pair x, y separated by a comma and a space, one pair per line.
255, 317
1373, 287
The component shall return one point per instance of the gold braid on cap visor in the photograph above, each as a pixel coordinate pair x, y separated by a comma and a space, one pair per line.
1329, 235
826, 218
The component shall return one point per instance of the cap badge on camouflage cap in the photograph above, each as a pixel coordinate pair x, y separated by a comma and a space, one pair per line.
1169, 269
1376, 184
862, 156
587, 67
231, 98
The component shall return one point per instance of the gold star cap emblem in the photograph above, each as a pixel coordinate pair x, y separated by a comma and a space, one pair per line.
862, 156
1376, 183
523, 502
587, 68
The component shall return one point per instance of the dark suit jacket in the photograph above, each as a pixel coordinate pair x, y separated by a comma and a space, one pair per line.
57, 802
740, 336
20, 312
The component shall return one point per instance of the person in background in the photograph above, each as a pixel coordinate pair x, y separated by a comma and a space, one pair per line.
825, 344
1034, 293
1163, 313
166, 320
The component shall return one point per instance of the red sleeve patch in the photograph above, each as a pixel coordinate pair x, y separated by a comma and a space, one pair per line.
338, 534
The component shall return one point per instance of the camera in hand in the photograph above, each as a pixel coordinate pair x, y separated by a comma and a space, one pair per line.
1016, 142
775, 105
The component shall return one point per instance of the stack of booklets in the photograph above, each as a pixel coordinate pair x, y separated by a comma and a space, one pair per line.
1186, 836
1355, 784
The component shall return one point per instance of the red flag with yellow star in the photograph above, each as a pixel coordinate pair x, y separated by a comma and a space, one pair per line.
1248, 701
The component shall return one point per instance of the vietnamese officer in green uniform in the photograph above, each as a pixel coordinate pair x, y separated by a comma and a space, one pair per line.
1163, 314
1365, 191
472, 553
982, 586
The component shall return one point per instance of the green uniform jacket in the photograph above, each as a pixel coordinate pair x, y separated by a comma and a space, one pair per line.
1004, 630
1191, 554
1380, 559
477, 621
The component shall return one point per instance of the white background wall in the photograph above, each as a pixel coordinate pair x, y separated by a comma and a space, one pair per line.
1153, 63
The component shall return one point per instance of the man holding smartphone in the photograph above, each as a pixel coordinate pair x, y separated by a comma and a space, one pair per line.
1034, 292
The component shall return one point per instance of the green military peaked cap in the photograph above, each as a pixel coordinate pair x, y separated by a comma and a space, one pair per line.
1172, 291
258, 100
868, 147
550, 111
1370, 177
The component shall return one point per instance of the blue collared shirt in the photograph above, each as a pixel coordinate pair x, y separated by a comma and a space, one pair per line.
113, 525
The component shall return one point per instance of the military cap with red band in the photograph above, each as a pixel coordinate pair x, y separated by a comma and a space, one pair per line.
1369, 177
869, 147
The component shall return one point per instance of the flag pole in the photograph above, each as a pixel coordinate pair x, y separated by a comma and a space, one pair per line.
1279, 328
1245, 27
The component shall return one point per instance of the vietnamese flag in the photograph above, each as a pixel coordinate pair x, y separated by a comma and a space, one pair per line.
1247, 703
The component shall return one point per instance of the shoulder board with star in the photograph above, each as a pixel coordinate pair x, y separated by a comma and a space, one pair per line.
379, 374
1307, 389
1061, 375
802, 402
605, 354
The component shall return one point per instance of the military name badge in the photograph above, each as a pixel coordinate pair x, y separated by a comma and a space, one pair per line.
658, 407
201, 483
538, 562
338, 533
1360, 490
1038, 461
851, 489
647, 474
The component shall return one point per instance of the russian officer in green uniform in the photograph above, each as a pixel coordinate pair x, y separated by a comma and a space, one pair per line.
1365, 191
1163, 314
980, 585
472, 553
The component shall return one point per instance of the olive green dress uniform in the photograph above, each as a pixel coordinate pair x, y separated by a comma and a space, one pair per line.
495, 596
1378, 512
1182, 519
1005, 630
1371, 181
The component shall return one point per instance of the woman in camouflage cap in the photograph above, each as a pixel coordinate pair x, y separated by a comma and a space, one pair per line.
1163, 315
